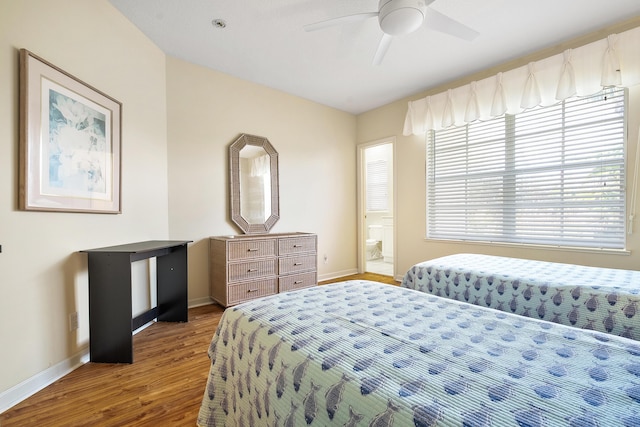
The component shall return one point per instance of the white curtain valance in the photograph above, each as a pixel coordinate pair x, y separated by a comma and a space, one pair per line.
614, 61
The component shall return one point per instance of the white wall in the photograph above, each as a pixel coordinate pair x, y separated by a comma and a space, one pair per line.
410, 215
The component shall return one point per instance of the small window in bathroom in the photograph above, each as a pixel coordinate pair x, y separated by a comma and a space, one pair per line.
377, 186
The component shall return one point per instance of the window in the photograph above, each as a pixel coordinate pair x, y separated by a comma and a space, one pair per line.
377, 186
550, 175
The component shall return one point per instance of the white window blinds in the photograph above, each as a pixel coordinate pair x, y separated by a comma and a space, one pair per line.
377, 186
550, 175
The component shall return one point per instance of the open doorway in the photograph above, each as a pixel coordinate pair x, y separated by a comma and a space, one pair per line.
376, 206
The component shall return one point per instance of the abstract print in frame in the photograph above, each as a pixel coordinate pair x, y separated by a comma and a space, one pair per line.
69, 142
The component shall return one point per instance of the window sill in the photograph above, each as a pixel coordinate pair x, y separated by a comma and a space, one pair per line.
624, 252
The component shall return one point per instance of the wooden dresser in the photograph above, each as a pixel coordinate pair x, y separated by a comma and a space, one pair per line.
250, 266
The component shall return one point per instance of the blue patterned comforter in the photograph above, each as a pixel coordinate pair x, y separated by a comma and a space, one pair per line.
362, 353
600, 299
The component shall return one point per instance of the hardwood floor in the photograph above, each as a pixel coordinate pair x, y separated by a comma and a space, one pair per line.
366, 276
163, 387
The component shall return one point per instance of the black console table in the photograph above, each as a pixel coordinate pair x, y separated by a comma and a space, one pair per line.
110, 313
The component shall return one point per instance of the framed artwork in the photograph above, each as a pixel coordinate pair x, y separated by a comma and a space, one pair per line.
69, 142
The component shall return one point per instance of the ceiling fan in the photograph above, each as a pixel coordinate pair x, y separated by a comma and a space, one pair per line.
399, 17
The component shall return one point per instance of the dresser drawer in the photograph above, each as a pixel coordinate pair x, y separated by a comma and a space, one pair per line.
251, 270
245, 267
242, 292
296, 245
251, 249
297, 281
295, 264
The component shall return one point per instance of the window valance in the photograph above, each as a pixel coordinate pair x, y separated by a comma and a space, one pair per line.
613, 61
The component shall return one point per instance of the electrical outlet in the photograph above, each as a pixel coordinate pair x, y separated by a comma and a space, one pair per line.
326, 258
73, 321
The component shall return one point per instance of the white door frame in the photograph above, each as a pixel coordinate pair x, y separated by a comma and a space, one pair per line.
361, 196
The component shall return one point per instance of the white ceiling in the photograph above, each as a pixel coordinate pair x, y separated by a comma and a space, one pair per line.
264, 42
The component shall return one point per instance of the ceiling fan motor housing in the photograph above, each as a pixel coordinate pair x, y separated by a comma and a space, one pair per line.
399, 17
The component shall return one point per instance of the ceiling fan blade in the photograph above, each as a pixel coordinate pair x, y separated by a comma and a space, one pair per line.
339, 21
385, 42
439, 22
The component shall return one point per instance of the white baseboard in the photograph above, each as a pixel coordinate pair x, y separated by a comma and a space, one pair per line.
337, 274
200, 302
31, 386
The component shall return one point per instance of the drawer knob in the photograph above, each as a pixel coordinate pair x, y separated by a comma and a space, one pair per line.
251, 290
297, 246
297, 263
297, 282
252, 250
252, 270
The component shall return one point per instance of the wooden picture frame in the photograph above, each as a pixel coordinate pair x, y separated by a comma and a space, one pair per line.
70, 142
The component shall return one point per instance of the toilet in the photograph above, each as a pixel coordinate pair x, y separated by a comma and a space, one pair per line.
374, 242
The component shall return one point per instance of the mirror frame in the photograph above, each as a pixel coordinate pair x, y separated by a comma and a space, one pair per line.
234, 174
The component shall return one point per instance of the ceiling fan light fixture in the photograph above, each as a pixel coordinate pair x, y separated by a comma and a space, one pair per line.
399, 17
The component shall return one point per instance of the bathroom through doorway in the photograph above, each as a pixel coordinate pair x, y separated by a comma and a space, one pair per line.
376, 206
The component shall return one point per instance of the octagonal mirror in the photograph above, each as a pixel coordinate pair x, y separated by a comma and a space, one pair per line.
253, 167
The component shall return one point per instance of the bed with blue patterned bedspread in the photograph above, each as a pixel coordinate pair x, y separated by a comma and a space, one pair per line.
601, 299
362, 353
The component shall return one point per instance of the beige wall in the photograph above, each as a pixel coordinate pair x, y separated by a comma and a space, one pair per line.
207, 110
43, 278
178, 120
412, 245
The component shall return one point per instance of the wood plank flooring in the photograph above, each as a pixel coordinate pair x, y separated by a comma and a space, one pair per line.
163, 387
